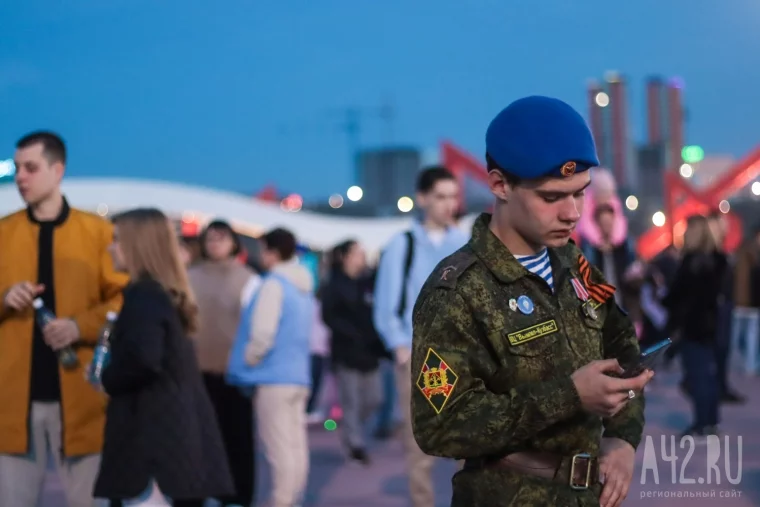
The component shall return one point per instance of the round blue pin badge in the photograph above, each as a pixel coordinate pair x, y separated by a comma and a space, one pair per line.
525, 305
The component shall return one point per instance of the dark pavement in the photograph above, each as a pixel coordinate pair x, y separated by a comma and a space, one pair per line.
333, 483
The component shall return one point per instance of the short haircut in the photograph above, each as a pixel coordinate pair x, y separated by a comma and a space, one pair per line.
429, 176
53, 146
221, 226
282, 241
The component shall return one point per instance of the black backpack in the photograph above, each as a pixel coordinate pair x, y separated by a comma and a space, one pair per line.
407, 268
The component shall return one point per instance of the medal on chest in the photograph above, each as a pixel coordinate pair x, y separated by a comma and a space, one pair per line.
587, 306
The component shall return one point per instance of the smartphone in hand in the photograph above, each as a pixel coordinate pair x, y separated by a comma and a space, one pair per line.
648, 359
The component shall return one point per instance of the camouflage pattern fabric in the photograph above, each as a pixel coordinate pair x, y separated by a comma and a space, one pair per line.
490, 379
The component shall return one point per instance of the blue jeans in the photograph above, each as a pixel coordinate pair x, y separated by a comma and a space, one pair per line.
318, 366
745, 335
387, 411
723, 346
701, 375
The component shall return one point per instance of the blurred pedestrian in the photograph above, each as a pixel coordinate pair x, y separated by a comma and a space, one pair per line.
223, 286
58, 254
162, 439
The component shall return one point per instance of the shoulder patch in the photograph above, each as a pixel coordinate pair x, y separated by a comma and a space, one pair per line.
436, 381
452, 267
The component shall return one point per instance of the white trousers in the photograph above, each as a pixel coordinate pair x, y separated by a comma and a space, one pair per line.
22, 477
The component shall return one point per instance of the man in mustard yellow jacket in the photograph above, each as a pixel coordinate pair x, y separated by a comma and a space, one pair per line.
60, 255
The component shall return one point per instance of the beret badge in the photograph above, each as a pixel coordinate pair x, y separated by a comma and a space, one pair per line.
568, 169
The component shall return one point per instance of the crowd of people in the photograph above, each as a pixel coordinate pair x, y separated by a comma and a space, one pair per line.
210, 355
702, 297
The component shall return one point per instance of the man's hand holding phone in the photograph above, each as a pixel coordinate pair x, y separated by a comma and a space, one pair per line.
602, 394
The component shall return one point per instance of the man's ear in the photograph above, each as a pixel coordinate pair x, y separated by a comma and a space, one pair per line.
59, 170
420, 200
499, 185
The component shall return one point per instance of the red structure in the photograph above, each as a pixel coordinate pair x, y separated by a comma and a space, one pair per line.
682, 201
268, 194
463, 165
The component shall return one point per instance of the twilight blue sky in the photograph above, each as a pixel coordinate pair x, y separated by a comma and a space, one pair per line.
236, 94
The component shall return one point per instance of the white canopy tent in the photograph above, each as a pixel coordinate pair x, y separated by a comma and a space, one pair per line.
249, 216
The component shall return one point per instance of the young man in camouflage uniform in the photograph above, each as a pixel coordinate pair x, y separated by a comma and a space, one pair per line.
518, 340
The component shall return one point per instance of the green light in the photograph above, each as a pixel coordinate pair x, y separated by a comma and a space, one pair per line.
692, 154
330, 425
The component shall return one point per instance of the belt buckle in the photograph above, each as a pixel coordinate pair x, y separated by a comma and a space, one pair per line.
573, 463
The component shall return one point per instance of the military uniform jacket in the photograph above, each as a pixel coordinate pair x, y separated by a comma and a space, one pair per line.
490, 379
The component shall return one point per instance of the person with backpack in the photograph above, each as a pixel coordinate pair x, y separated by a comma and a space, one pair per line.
404, 266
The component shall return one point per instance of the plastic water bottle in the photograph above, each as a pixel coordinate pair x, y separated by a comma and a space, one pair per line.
102, 350
66, 356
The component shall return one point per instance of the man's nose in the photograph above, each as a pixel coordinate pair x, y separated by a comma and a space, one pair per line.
569, 211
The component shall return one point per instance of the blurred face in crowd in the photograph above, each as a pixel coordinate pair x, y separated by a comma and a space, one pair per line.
355, 260
269, 258
37, 178
699, 236
117, 253
606, 223
718, 228
440, 204
184, 254
219, 244
541, 212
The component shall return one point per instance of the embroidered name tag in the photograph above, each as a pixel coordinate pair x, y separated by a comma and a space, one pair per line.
533, 332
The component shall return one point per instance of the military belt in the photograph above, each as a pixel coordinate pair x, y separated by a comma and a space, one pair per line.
578, 471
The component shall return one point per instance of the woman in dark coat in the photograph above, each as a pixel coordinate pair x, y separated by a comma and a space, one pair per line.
162, 441
356, 348
693, 307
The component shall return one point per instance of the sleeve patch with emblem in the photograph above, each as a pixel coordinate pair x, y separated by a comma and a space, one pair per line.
436, 381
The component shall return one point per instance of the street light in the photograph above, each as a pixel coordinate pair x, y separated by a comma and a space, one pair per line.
724, 206
335, 201
755, 188
354, 193
658, 219
405, 204
602, 99
686, 170
632, 202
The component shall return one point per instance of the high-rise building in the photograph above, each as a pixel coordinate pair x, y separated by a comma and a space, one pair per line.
665, 120
608, 116
387, 174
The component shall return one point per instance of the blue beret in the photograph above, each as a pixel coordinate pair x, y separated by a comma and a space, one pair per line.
537, 136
